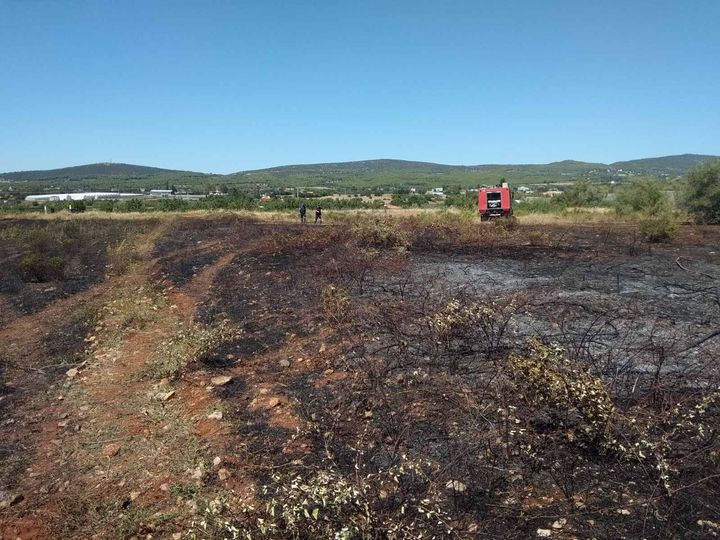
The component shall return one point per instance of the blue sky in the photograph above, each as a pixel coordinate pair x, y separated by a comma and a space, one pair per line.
221, 86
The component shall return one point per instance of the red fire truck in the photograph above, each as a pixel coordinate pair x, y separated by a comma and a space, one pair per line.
495, 202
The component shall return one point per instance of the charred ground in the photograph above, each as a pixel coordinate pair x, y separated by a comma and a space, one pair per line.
388, 378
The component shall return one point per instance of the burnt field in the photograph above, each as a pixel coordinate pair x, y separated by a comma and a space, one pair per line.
420, 377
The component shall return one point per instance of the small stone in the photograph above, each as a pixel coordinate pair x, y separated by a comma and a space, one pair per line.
164, 381
224, 474
177, 536
71, 373
273, 402
217, 461
544, 533
624, 511
164, 487
368, 414
167, 395
197, 474
221, 380
63, 423
322, 348
216, 415
11, 500
455, 485
559, 524
111, 449
284, 363
134, 495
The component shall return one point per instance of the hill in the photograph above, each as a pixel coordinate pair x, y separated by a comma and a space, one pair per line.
678, 164
93, 170
350, 176
372, 165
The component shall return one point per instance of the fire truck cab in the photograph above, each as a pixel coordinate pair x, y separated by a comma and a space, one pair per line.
495, 202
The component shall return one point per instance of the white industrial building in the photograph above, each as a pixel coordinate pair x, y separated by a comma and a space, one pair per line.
86, 196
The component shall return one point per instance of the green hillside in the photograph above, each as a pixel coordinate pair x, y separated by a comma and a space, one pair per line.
664, 165
93, 170
352, 176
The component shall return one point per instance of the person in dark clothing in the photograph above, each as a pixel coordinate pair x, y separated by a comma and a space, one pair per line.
303, 211
318, 214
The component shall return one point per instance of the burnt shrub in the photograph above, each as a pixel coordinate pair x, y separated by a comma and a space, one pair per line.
380, 233
38, 268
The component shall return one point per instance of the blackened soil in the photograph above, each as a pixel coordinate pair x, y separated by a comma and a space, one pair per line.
29, 281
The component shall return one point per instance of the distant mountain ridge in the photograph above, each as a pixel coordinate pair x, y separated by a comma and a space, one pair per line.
91, 170
680, 162
664, 165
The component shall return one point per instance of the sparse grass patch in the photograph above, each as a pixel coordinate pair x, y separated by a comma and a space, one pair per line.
186, 346
135, 247
336, 303
133, 307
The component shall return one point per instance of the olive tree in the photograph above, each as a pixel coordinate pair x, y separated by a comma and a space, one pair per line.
702, 192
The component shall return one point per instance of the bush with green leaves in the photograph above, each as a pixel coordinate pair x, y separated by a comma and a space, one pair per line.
581, 193
659, 223
410, 201
702, 193
640, 195
40, 268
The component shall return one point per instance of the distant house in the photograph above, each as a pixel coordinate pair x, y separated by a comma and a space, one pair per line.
552, 193
161, 192
265, 197
436, 191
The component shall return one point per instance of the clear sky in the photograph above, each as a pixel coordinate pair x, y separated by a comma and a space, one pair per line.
227, 85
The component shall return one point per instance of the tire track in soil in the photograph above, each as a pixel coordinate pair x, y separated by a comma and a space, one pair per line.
109, 442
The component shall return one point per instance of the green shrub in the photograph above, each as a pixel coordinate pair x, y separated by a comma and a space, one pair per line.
55, 265
133, 205
702, 193
467, 201
37, 267
104, 206
659, 223
410, 201
640, 195
538, 205
581, 193
78, 206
